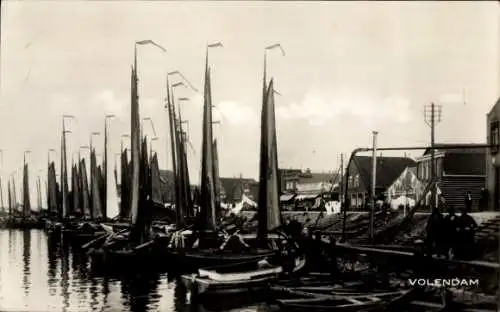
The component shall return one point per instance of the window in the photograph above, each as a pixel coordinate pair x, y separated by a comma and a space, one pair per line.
349, 182
494, 136
356, 181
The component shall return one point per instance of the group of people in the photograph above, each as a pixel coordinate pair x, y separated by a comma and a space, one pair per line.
451, 236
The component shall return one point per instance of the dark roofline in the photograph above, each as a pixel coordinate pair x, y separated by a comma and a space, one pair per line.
494, 106
442, 147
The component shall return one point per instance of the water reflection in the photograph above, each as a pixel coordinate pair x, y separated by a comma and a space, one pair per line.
42, 272
26, 260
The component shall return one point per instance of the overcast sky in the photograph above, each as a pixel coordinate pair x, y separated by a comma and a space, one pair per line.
349, 69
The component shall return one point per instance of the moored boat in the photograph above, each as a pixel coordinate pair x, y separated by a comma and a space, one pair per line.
235, 278
353, 302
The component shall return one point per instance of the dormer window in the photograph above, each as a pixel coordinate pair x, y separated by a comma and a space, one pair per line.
494, 136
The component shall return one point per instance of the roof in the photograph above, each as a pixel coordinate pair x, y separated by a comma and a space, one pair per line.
388, 169
317, 177
233, 186
494, 108
474, 148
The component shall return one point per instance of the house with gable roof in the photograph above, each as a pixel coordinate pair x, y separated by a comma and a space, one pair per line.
389, 169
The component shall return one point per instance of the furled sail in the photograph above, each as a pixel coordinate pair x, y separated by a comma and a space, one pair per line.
112, 208
188, 196
10, 198
102, 188
75, 189
64, 176
26, 192
217, 179
95, 191
175, 156
269, 214
155, 180
135, 138
125, 185
52, 192
208, 213
84, 187
14, 194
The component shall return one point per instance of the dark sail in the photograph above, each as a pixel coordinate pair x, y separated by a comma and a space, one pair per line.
175, 157
155, 180
64, 176
84, 187
10, 198
188, 197
185, 186
217, 179
269, 215
135, 139
102, 188
26, 193
125, 186
141, 228
208, 213
95, 193
14, 196
75, 188
52, 196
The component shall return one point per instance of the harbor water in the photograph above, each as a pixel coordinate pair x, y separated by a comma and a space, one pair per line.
42, 274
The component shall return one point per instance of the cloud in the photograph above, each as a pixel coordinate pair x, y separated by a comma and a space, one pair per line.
107, 101
319, 108
237, 113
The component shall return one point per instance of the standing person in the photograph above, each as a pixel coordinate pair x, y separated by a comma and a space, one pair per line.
483, 200
467, 227
433, 230
450, 232
468, 201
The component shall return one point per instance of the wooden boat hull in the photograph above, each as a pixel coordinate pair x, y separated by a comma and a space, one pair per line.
190, 260
346, 302
204, 286
239, 278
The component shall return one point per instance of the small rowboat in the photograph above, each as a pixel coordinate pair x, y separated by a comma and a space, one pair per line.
236, 278
358, 302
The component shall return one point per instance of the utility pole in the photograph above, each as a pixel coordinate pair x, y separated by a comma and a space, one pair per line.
341, 194
374, 180
432, 116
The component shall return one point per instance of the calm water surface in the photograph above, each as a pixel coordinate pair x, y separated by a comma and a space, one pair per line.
42, 274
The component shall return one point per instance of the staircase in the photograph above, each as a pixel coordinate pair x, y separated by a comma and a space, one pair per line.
454, 188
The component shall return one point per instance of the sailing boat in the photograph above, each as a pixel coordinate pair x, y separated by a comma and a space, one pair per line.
122, 249
209, 247
252, 274
53, 202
